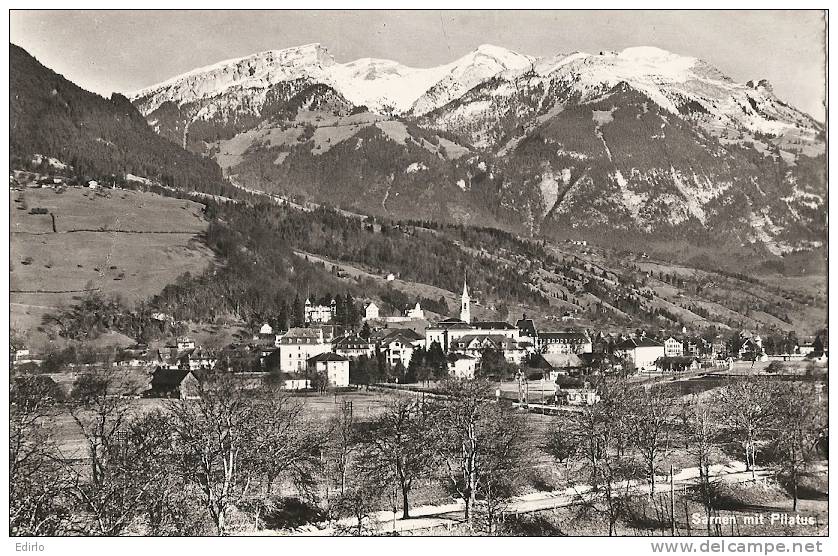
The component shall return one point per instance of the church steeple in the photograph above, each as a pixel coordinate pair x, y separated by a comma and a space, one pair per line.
465, 304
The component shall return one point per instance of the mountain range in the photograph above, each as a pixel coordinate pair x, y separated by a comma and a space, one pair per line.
642, 141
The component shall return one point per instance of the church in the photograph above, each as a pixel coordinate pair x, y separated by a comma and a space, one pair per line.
449, 331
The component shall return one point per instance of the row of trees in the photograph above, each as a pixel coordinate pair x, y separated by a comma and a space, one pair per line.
633, 430
221, 462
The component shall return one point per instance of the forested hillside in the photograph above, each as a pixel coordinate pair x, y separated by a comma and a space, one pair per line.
98, 137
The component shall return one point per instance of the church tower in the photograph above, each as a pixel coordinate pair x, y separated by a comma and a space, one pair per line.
465, 305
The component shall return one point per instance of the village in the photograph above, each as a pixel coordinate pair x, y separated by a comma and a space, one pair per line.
407, 350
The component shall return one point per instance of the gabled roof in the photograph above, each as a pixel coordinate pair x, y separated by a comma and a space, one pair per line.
493, 325
311, 333
352, 340
404, 335
498, 342
452, 324
167, 378
527, 326
563, 360
328, 356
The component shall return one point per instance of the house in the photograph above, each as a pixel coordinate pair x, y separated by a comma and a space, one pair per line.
266, 330
371, 311
677, 364
806, 349
184, 344
353, 347
336, 368
564, 342
673, 347
475, 344
174, 383
462, 366
415, 313
747, 349
398, 345
576, 396
642, 352
319, 313
600, 362
553, 365
294, 381
297, 346
194, 359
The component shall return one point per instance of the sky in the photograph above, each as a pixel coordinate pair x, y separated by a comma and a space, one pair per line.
123, 51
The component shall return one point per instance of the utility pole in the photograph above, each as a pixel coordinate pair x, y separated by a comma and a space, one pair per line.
672, 499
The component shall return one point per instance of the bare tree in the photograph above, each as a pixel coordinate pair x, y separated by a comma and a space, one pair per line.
650, 415
561, 445
749, 412
112, 486
802, 423
364, 491
287, 445
595, 429
703, 431
399, 439
214, 442
37, 484
474, 440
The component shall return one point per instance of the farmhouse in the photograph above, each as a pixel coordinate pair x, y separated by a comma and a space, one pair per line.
174, 383
554, 365
336, 368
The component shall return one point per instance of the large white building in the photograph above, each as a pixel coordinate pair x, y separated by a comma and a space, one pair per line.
643, 352
298, 345
398, 345
335, 366
673, 347
564, 342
